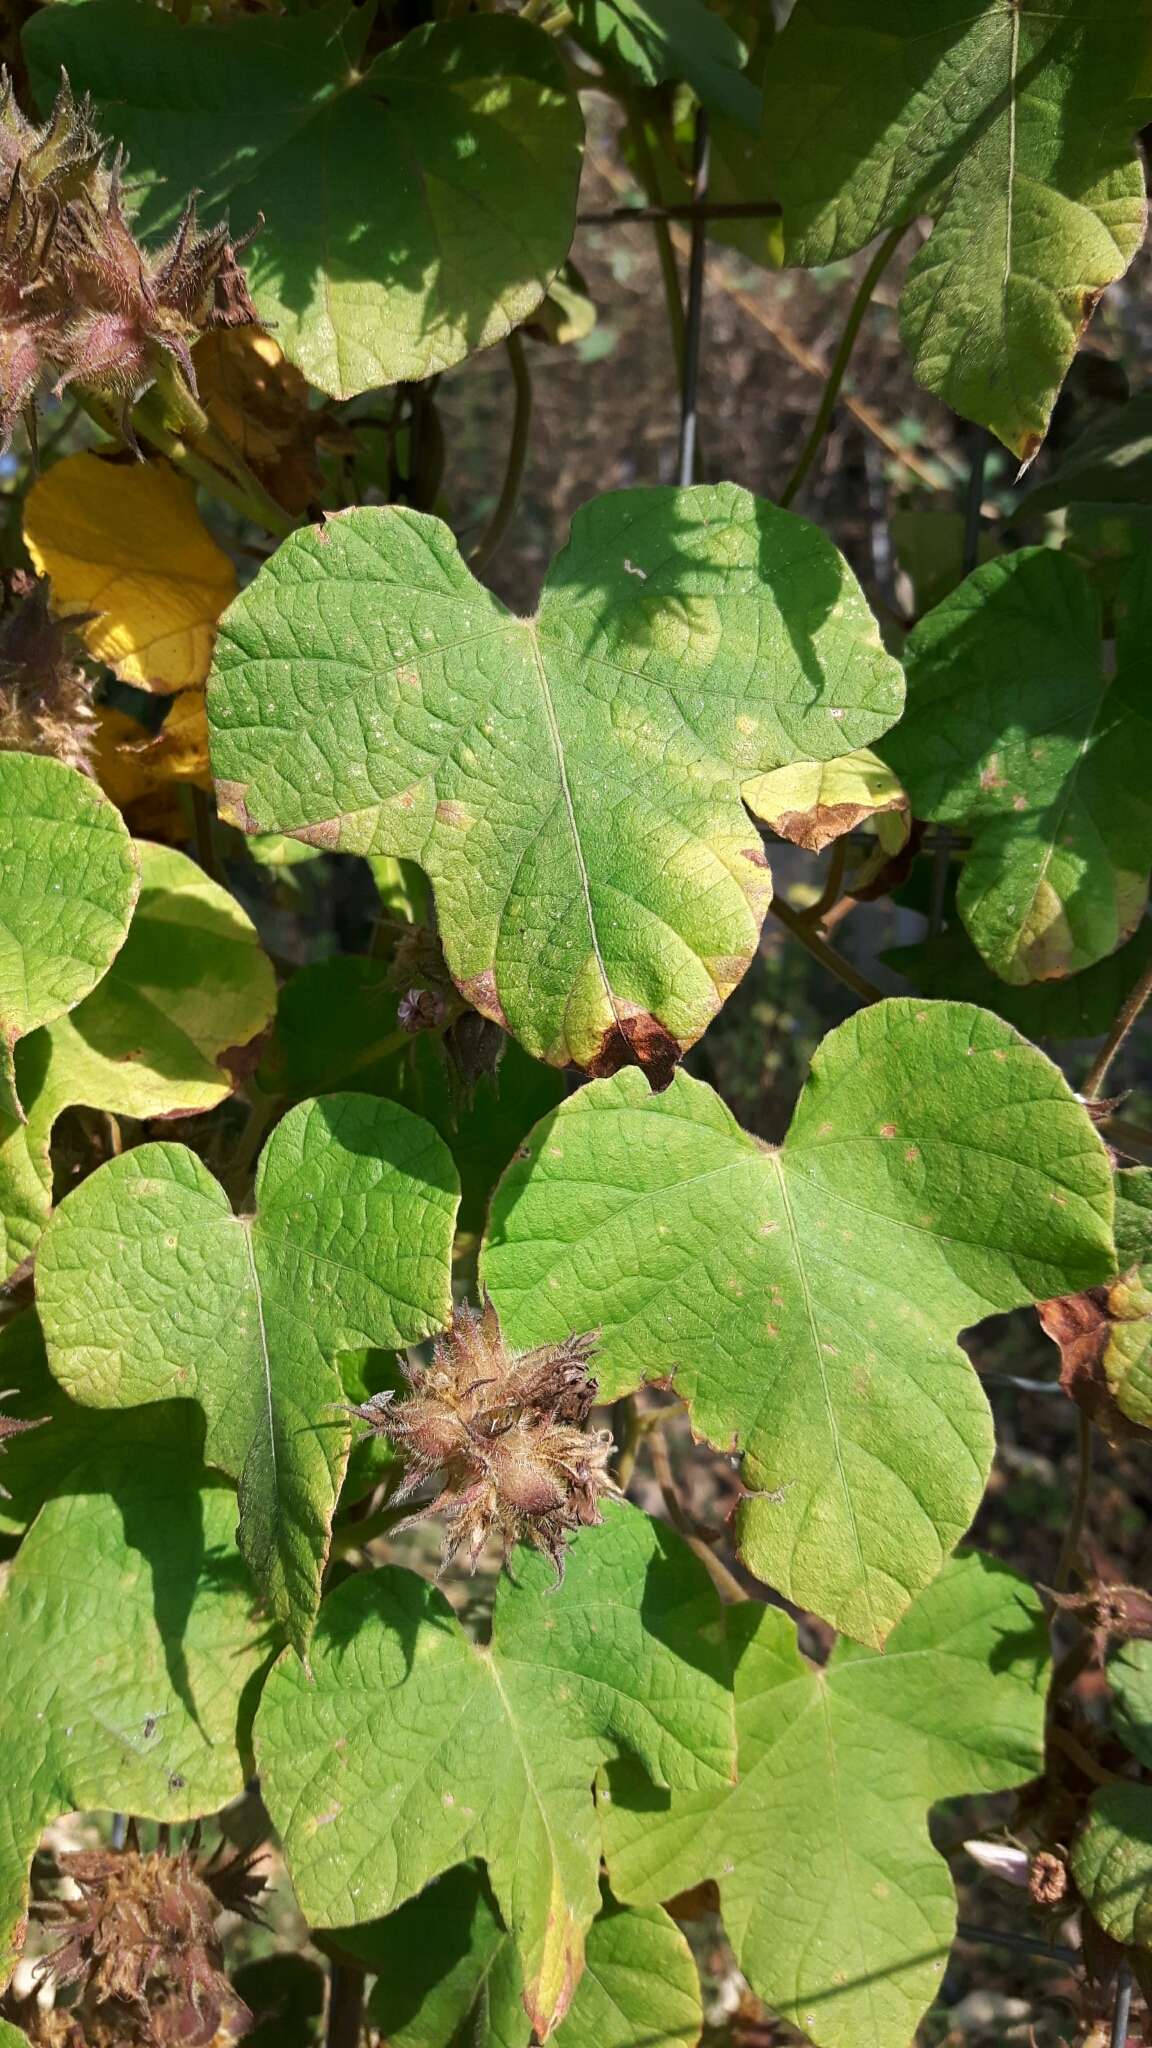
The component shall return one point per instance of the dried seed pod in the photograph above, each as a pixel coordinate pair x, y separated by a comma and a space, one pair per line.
45, 690
144, 1954
502, 1429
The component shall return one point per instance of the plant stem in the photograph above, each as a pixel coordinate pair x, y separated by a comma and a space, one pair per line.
263, 1112
973, 500
690, 377
827, 955
202, 824
628, 1429
688, 210
1070, 1548
509, 497
1130, 1010
1126, 1137
726, 1583
840, 360
345, 2005
357, 1535
665, 253
833, 887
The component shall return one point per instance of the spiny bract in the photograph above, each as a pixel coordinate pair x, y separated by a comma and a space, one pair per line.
505, 1432
79, 297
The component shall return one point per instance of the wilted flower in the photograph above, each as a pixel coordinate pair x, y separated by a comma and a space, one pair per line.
504, 1431
45, 690
144, 1952
79, 297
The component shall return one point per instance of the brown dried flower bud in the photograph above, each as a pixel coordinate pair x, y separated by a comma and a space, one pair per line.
1048, 1878
45, 690
504, 1432
145, 1954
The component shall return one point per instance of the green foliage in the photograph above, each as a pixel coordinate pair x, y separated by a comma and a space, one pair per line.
493, 876
68, 879
457, 1751
571, 783
158, 1036
659, 39
1011, 126
840, 1910
132, 1656
1020, 731
151, 1288
463, 141
806, 1306
448, 1974
1112, 1863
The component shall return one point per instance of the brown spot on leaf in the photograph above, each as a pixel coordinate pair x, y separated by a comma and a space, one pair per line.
231, 802
817, 828
637, 1041
756, 855
450, 813
325, 835
240, 1062
480, 990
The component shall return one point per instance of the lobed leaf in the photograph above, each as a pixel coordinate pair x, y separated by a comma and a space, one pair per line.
159, 1036
68, 880
1018, 730
570, 783
130, 1647
126, 550
1112, 1863
1011, 125
416, 207
447, 1973
149, 1287
804, 1302
839, 1908
411, 1749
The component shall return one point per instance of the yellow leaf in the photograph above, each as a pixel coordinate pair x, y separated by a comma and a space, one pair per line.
140, 770
124, 541
814, 802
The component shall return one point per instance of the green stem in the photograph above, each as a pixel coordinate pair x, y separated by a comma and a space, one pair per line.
509, 497
356, 1535
825, 954
1070, 1548
840, 361
1130, 1010
833, 888
238, 488
661, 233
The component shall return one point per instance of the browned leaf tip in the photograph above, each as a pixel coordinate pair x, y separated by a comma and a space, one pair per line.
1081, 1326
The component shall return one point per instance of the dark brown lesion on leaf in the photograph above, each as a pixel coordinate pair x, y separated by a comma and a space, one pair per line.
1081, 1325
232, 804
480, 990
637, 1041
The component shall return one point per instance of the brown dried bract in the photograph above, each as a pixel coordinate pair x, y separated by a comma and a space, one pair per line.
505, 1432
144, 1953
45, 690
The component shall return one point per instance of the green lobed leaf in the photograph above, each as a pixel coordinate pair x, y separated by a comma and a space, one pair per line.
158, 1036
68, 881
804, 1301
131, 1652
656, 40
839, 1909
448, 1976
1112, 1863
149, 1287
411, 1749
1011, 125
336, 1027
570, 783
1081, 1005
1019, 730
415, 207
1130, 1677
